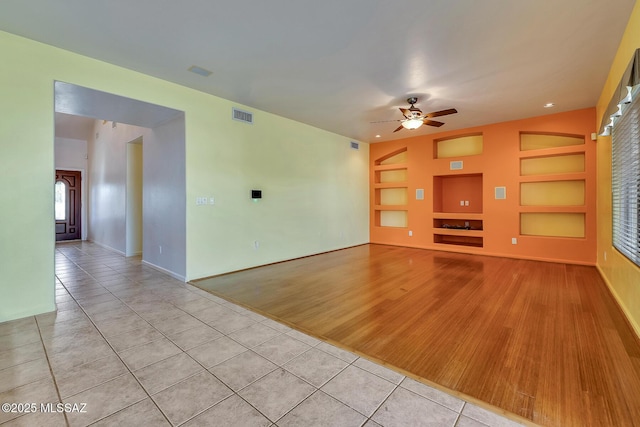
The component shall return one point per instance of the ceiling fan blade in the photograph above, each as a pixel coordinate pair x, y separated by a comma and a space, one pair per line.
442, 113
399, 128
386, 121
406, 112
432, 123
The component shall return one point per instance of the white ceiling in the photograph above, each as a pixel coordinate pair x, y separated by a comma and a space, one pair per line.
341, 64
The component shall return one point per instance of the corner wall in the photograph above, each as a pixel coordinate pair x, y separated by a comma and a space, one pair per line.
622, 276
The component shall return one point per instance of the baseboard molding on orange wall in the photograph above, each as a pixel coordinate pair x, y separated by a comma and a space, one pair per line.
471, 251
623, 308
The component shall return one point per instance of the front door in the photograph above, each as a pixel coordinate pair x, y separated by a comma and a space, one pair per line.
67, 205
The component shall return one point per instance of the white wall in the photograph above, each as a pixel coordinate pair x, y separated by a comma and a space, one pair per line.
108, 182
164, 208
71, 154
163, 192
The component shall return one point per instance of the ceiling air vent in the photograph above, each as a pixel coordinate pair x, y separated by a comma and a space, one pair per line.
355, 145
242, 116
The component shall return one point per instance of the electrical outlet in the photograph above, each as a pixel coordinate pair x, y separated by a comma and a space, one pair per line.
466, 203
514, 241
256, 245
410, 233
461, 202
160, 247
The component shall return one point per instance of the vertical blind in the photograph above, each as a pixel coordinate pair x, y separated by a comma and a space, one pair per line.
625, 182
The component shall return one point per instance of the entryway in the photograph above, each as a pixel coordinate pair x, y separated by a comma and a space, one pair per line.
68, 205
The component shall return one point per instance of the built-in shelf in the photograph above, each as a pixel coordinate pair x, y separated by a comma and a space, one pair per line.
458, 146
553, 165
396, 218
457, 193
552, 185
554, 177
457, 205
457, 216
530, 141
390, 190
458, 240
458, 229
457, 224
553, 224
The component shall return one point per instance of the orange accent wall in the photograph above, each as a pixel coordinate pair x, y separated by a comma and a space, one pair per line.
499, 164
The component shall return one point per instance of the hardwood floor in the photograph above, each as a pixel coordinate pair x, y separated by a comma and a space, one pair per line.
541, 340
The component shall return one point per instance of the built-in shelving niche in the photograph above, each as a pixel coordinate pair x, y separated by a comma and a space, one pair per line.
457, 205
552, 185
458, 146
391, 191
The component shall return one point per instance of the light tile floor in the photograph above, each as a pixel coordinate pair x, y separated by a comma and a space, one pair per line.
132, 346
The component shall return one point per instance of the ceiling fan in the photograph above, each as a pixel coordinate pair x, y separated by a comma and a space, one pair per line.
414, 118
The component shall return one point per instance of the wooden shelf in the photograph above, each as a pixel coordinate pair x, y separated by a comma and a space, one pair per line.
458, 232
460, 216
390, 167
390, 185
391, 207
458, 240
579, 176
458, 146
472, 236
556, 151
553, 209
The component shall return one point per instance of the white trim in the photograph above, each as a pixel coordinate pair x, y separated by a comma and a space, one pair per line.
165, 271
102, 245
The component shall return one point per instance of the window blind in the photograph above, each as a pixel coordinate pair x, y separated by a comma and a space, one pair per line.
625, 182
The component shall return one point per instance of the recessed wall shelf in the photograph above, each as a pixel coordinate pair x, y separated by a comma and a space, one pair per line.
450, 190
552, 185
457, 206
390, 190
459, 146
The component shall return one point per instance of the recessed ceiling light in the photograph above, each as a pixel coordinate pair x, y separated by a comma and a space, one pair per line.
377, 136
549, 105
200, 71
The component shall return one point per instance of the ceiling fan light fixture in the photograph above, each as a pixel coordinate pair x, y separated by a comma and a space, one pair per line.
412, 124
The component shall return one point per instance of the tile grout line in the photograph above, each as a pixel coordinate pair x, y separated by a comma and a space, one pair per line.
136, 378
227, 335
115, 352
53, 377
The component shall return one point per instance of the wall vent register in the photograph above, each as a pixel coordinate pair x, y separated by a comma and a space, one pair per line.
242, 116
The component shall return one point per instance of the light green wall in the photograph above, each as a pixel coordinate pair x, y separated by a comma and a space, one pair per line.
27, 173
315, 187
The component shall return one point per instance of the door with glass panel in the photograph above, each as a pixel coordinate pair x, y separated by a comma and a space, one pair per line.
67, 205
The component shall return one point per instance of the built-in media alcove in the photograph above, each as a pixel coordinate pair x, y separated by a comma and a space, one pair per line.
457, 206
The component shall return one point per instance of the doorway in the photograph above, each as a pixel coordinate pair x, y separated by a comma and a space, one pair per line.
134, 191
68, 205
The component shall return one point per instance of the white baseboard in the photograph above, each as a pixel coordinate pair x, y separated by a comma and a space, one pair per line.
165, 271
102, 245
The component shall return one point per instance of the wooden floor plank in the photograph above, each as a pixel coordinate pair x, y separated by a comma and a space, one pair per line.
541, 340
